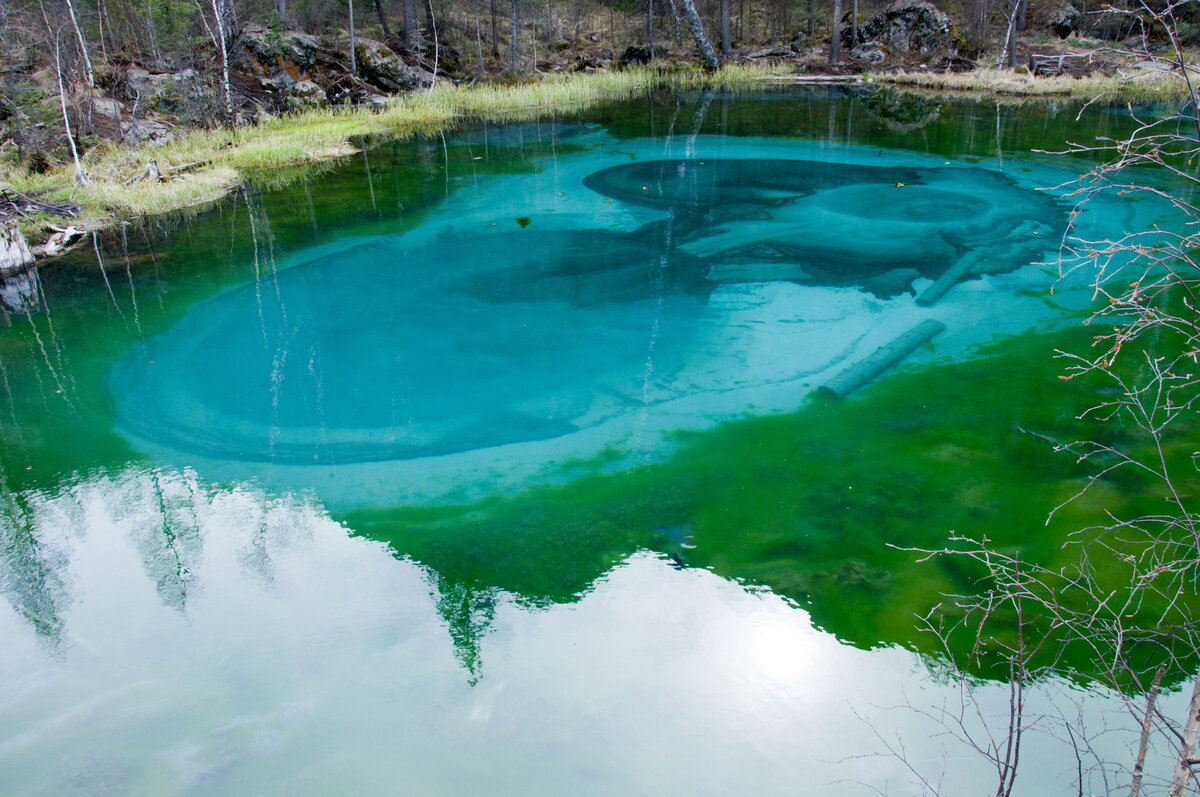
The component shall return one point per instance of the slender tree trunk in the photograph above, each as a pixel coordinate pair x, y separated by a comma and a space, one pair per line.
281, 9
513, 48
1139, 764
707, 53
353, 58
1008, 56
726, 44
853, 24
410, 25
433, 29
1187, 749
835, 42
219, 13
675, 22
495, 32
387, 32
650, 26
100, 22
80, 176
430, 20
91, 76
812, 21
479, 39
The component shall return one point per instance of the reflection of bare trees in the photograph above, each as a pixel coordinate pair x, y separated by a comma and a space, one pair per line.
31, 568
163, 515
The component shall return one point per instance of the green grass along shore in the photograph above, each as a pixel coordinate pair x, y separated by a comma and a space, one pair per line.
201, 166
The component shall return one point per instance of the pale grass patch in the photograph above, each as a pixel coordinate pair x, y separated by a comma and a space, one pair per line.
1134, 84
203, 165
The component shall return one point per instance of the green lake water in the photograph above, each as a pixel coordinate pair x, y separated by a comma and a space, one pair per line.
493, 463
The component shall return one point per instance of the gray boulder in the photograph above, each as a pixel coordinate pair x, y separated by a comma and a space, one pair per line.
306, 94
912, 26
381, 67
1065, 21
277, 49
869, 52
168, 91
142, 131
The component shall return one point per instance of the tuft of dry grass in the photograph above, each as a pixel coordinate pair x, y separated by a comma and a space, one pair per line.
1135, 84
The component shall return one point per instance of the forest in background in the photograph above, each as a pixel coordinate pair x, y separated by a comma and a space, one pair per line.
76, 72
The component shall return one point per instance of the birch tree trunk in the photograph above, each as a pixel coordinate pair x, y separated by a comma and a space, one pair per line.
80, 175
707, 53
91, 77
220, 9
675, 21
353, 59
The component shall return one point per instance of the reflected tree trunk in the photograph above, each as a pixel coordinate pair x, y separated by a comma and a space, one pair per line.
1187, 746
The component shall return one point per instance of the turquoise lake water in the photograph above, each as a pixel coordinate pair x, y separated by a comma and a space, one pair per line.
488, 463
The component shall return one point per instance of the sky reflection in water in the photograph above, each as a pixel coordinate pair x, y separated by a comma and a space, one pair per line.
300, 660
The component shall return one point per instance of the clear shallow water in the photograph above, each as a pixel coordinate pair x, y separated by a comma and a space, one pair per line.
390, 348
391, 341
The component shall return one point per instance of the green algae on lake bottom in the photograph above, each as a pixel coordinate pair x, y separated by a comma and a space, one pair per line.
823, 505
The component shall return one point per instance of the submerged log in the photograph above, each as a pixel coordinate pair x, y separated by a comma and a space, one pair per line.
950, 277
14, 252
867, 369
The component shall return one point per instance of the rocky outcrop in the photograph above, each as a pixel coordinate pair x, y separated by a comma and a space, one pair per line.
1064, 21
381, 67
283, 48
166, 92
869, 53
141, 131
306, 94
293, 66
915, 27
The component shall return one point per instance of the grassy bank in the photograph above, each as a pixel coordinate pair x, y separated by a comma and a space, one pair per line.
203, 165
1142, 84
